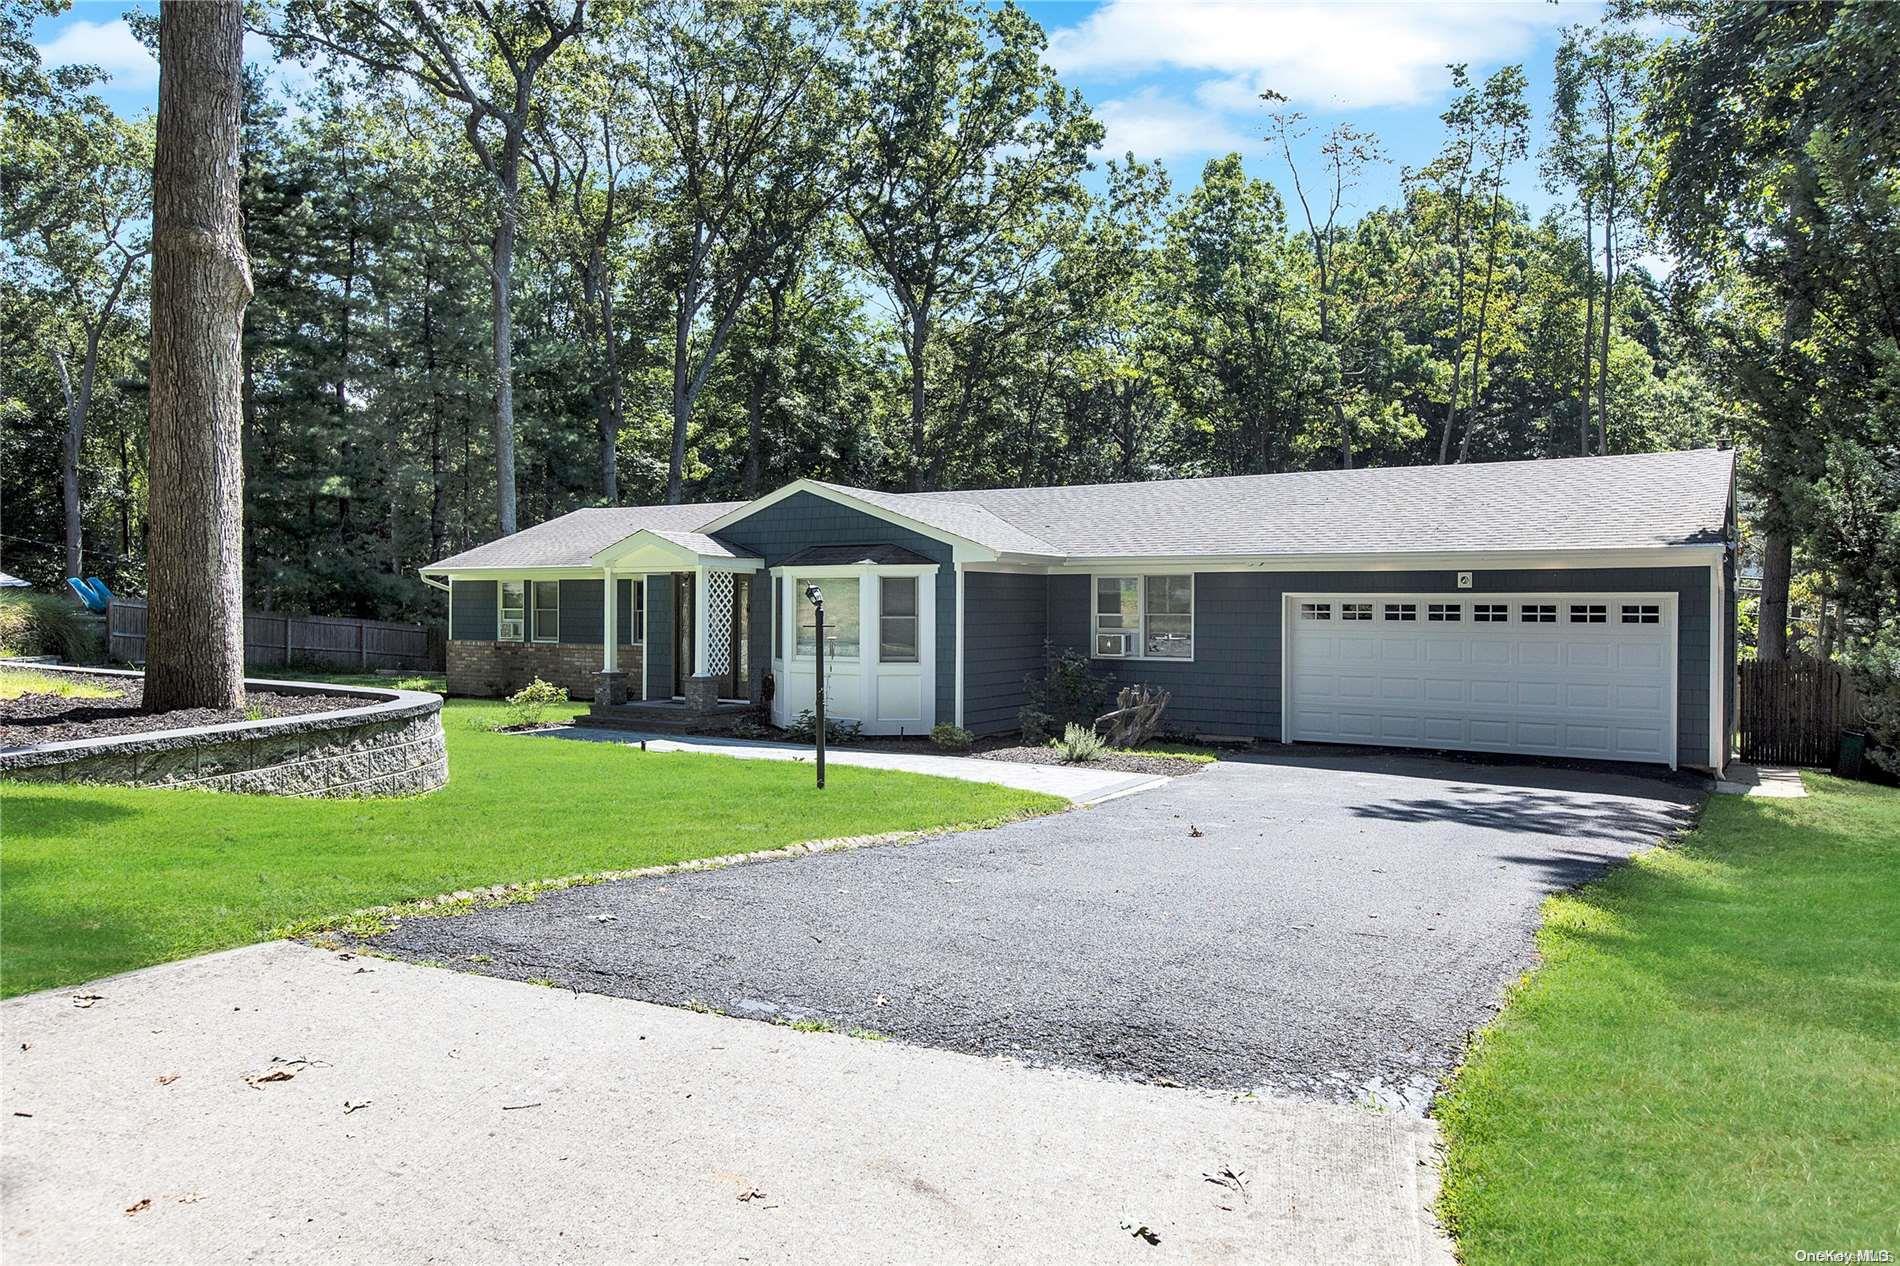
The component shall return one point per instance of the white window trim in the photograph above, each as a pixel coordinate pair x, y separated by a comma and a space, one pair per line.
1141, 604
501, 606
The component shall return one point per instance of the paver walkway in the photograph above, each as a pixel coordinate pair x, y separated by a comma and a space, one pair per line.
1073, 782
1774, 781
429, 1115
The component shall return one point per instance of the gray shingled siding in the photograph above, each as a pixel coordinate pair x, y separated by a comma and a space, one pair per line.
759, 647
1233, 685
473, 615
802, 520
1006, 625
659, 648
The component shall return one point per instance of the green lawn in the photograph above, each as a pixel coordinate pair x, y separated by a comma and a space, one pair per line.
1707, 1065
95, 880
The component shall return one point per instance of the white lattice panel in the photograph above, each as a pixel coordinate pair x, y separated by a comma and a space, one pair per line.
718, 622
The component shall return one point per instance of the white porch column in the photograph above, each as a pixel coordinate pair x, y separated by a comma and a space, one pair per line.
609, 623
702, 645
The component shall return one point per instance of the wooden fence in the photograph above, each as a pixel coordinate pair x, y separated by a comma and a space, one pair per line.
1792, 713
317, 641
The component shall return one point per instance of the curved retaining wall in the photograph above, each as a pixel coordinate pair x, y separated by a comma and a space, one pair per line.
391, 746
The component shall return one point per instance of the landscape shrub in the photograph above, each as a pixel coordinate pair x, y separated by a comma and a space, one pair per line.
1876, 674
804, 729
46, 624
1080, 744
528, 705
1068, 690
951, 738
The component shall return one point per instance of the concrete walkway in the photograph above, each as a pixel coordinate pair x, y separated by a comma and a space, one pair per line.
1073, 782
1775, 781
286, 1104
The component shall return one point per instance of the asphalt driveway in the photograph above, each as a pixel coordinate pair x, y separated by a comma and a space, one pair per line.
1331, 927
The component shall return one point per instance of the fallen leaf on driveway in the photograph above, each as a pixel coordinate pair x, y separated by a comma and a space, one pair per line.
140, 1207
1195, 832
1231, 1178
750, 1194
349, 1107
1142, 1232
166, 1079
190, 1197
281, 1069
83, 1000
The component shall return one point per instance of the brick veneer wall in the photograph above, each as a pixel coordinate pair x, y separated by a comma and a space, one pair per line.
489, 670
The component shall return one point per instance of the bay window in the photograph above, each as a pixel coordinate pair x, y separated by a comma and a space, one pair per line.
1144, 617
841, 617
897, 620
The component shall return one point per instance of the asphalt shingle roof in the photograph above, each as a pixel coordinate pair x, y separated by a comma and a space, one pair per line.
1587, 504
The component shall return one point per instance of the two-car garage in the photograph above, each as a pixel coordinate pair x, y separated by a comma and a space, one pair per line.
1585, 675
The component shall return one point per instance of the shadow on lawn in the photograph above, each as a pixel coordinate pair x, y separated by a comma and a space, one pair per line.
29, 816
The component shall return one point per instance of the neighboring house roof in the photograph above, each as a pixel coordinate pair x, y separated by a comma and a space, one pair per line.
13, 582
857, 556
1637, 501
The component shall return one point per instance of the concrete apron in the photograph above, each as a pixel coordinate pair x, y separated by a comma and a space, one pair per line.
1076, 783
505, 1122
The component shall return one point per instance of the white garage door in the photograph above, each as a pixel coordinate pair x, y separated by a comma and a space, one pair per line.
1583, 675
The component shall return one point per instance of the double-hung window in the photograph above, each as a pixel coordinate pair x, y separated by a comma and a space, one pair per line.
1144, 617
512, 621
547, 610
897, 620
841, 617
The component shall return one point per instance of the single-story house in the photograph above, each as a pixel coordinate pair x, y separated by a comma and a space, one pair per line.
1582, 607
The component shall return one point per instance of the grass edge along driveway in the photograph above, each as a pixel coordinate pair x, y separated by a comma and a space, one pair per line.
96, 880
1706, 1067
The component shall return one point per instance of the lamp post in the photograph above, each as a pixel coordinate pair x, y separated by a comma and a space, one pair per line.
816, 596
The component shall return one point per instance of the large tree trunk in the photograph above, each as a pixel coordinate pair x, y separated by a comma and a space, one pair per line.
919, 341
1609, 300
1589, 324
201, 281
1777, 565
69, 458
501, 274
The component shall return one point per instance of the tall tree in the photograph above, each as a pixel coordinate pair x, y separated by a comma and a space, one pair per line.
487, 63
201, 281
969, 145
747, 102
1345, 153
76, 192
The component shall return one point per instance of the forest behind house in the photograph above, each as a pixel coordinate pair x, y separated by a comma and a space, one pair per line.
514, 260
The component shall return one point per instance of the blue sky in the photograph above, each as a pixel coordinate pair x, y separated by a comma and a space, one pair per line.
1174, 80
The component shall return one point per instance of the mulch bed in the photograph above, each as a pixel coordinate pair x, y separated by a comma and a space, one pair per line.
47, 718
1006, 749
1170, 766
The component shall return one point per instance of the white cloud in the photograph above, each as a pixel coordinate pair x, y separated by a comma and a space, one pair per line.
1154, 124
1323, 56
110, 46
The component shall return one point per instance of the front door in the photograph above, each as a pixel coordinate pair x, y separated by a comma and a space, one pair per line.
682, 631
